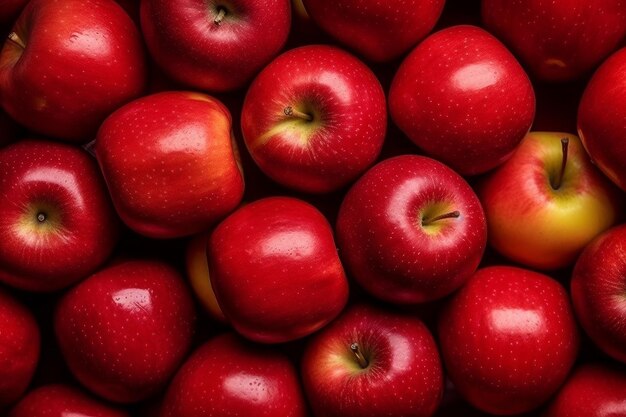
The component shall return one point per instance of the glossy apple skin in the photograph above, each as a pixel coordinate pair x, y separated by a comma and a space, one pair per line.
508, 339
185, 41
62, 401
380, 31
94, 63
125, 330
170, 163
228, 377
532, 223
599, 291
593, 390
385, 245
275, 270
404, 376
80, 230
19, 348
558, 40
601, 127
461, 96
349, 123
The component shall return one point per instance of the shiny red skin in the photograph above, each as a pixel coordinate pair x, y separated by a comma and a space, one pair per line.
559, 40
508, 339
230, 377
94, 63
350, 119
378, 30
186, 43
64, 182
275, 270
602, 128
62, 401
598, 289
462, 97
170, 163
19, 348
593, 390
10, 10
125, 330
386, 247
404, 376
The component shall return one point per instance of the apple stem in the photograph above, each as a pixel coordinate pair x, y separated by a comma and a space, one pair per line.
221, 12
41, 217
13, 37
451, 215
559, 178
290, 111
359, 356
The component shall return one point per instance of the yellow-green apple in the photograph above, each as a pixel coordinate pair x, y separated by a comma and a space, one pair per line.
380, 31
171, 163
314, 119
275, 270
602, 128
599, 291
57, 224
463, 98
215, 45
547, 202
411, 230
62, 401
559, 40
19, 348
371, 362
68, 64
231, 377
508, 339
125, 330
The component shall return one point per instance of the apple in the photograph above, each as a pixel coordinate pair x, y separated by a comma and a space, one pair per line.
58, 224
601, 127
62, 401
508, 339
593, 390
314, 119
547, 202
125, 330
559, 40
380, 31
598, 288
462, 97
171, 163
65, 68
19, 348
214, 45
9, 130
10, 10
275, 270
372, 362
411, 230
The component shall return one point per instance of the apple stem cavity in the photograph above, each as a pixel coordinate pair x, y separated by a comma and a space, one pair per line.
221, 12
14, 37
290, 111
559, 179
452, 215
363, 363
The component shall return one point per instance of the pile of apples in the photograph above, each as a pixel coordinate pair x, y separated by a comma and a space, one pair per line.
325, 208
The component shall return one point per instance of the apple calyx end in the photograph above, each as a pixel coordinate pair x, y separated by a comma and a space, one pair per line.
564, 149
451, 215
14, 37
221, 12
41, 217
363, 363
290, 111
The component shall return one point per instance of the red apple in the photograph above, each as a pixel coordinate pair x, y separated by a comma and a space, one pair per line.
380, 31
370, 363
462, 97
58, 224
68, 64
171, 163
19, 348
214, 45
314, 119
508, 339
62, 401
599, 291
125, 330
559, 40
547, 202
602, 127
411, 230
229, 377
275, 270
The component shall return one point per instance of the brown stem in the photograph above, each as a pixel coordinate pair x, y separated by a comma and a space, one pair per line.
221, 12
559, 179
290, 111
359, 356
13, 37
451, 215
